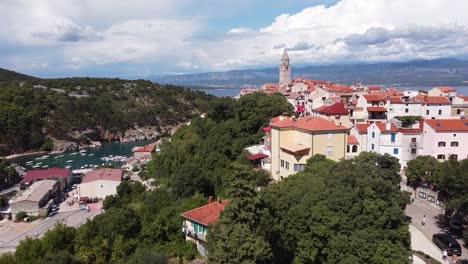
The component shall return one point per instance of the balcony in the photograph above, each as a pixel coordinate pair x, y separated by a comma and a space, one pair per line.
195, 235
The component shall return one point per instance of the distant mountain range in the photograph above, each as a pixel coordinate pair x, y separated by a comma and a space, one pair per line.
436, 72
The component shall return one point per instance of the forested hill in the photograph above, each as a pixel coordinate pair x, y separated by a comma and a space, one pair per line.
8, 76
40, 114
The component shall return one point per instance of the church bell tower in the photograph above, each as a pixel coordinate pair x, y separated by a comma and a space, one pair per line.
285, 69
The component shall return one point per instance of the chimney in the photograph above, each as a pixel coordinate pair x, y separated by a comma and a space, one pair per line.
210, 199
388, 126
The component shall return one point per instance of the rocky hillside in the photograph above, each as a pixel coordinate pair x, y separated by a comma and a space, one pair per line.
59, 114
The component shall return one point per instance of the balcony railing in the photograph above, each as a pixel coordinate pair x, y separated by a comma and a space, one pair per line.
191, 233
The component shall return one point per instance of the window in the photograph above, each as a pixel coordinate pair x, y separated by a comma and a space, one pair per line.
354, 149
330, 136
427, 112
439, 202
395, 151
347, 149
406, 110
458, 111
440, 157
287, 165
329, 151
372, 147
413, 151
454, 144
441, 144
393, 136
422, 194
431, 198
299, 167
413, 140
453, 157
373, 134
282, 163
440, 112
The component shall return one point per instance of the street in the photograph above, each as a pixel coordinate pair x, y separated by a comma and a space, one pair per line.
9, 239
434, 224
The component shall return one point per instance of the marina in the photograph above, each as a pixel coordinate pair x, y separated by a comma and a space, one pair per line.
109, 154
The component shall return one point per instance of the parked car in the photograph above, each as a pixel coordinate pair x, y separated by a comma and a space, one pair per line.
456, 223
444, 241
52, 213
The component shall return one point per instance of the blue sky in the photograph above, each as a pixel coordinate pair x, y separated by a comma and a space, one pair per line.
121, 38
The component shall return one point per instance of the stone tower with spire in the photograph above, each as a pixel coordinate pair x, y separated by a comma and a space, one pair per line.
285, 69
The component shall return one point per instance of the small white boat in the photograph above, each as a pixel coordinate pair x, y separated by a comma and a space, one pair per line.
91, 154
74, 153
68, 161
36, 166
95, 166
45, 166
68, 166
82, 167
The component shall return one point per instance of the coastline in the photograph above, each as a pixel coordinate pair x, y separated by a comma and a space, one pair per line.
25, 154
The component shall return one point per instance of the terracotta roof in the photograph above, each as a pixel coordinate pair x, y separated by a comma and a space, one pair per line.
103, 174
374, 97
278, 118
352, 140
375, 88
376, 109
149, 148
257, 156
446, 89
51, 173
310, 124
335, 109
362, 128
339, 88
433, 99
207, 214
383, 129
410, 130
447, 125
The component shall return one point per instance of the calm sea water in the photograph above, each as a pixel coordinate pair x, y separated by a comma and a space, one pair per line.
77, 160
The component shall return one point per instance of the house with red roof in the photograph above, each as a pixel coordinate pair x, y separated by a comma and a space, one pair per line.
293, 141
435, 107
445, 139
359, 131
403, 143
100, 183
460, 107
63, 176
196, 222
446, 91
142, 153
336, 112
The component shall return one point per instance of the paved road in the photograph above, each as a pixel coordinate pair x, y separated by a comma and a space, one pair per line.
71, 218
14, 188
434, 223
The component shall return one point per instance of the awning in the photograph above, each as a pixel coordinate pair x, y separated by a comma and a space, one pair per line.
84, 198
296, 149
376, 109
267, 129
257, 156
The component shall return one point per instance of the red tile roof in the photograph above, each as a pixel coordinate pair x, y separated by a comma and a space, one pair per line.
375, 88
207, 214
433, 99
149, 148
257, 156
335, 109
352, 140
410, 130
338, 89
376, 109
278, 118
448, 125
103, 174
45, 174
374, 97
446, 89
310, 124
362, 128
383, 129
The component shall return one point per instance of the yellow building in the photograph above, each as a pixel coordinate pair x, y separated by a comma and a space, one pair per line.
293, 141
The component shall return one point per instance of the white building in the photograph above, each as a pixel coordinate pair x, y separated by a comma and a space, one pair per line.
36, 199
359, 131
100, 183
435, 107
402, 143
445, 139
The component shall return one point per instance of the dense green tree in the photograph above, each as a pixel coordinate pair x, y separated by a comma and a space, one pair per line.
421, 168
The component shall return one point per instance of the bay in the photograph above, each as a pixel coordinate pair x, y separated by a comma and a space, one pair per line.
92, 156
